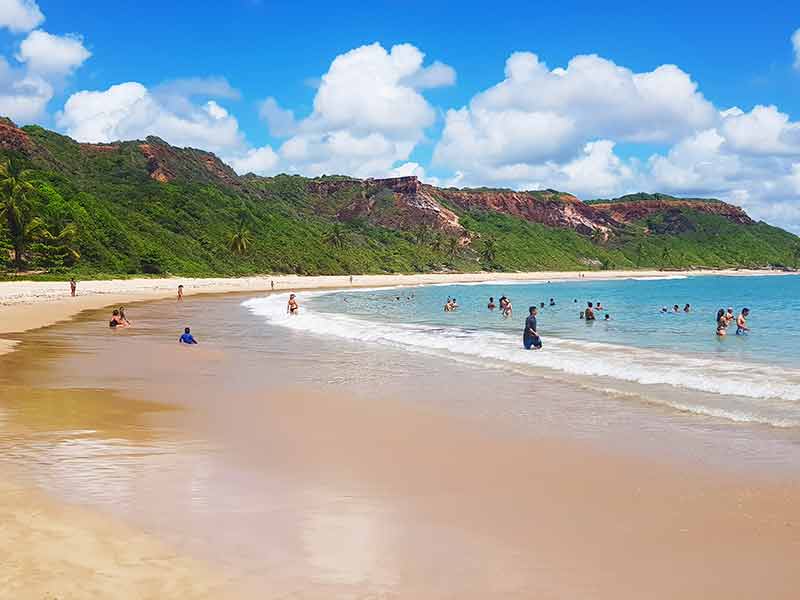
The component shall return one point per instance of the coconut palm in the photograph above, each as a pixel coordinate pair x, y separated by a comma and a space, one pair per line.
489, 250
65, 242
16, 192
336, 237
241, 239
453, 247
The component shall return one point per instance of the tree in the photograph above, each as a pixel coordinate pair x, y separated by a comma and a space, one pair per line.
241, 239
489, 250
423, 234
16, 192
453, 247
336, 237
61, 248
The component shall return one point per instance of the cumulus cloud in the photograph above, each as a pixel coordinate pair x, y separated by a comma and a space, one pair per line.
130, 111
796, 45
261, 161
23, 97
52, 55
368, 113
20, 16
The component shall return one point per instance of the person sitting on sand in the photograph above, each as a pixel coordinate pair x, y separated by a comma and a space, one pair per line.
722, 322
180, 293
741, 322
187, 337
292, 307
491, 305
116, 321
687, 308
73, 287
588, 314
530, 337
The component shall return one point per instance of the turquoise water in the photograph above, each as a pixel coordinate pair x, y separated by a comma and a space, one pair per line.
674, 359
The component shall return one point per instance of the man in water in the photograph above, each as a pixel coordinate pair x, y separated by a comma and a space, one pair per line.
491, 305
73, 286
187, 337
676, 308
589, 312
687, 308
741, 322
729, 318
292, 307
607, 317
552, 302
530, 337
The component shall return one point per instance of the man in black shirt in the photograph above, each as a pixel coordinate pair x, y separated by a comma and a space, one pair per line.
530, 337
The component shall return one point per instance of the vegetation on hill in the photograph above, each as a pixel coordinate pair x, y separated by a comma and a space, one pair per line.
91, 211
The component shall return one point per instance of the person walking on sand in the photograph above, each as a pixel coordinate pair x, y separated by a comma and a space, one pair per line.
741, 322
180, 293
272, 285
292, 307
530, 337
73, 287
187, 337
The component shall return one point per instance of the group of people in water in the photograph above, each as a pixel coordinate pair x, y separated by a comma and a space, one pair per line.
588, 314
120, 321
725, 318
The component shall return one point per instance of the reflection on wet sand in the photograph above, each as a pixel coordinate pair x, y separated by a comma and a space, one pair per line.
302, 467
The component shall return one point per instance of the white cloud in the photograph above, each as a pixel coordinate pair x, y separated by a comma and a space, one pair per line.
368, 113
281, 122
764, 130
796, 45
23, 97
52, 55
20, 16
130, 111
261, 161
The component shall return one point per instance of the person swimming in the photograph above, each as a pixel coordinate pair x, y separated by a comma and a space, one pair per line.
292, 307
541, 304
676, 308
741, 322
552, 302
491, 305
607, 317
187, 337
581, 315
687, 308
530, 337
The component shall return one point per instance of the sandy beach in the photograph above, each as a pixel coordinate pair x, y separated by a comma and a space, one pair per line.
343, 493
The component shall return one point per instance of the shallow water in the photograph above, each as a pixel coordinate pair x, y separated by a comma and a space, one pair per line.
674, 359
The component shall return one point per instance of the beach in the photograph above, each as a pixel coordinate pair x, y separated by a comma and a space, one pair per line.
295, 466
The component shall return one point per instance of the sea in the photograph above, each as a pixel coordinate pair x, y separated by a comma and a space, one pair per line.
667, 359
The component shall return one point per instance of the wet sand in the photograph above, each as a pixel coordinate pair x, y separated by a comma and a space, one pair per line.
299, 468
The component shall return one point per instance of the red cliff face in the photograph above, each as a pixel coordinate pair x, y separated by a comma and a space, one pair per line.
398, 203
636, 210
548, 207
13, 139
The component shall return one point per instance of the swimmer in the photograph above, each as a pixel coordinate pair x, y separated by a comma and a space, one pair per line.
541, 305
607, 317
292, 307
676, 308
552, 302
687, 308
491, 305
187, 337
741, 322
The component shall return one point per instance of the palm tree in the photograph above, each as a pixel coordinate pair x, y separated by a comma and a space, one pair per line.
336, 237
423, 234
15, 193
241, 239
489, 250
438, 242
65, 242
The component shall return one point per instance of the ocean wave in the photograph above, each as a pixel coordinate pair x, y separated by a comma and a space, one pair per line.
771, 394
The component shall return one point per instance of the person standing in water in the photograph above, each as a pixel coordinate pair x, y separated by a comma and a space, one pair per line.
530, 337
687, 308
722, 323
73, 287
588, 314
741, 322
292, 307
491, 305
180, 293
187, 337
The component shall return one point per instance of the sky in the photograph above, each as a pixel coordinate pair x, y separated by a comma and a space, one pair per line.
686, 98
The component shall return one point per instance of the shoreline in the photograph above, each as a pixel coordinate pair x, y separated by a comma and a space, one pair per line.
21, 303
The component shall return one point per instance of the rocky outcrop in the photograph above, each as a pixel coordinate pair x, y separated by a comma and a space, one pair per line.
166, 163
13, 139
638, 207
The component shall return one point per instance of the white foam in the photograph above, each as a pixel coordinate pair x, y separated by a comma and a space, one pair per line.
771, 395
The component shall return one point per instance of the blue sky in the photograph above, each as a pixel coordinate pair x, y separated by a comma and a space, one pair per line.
735, 54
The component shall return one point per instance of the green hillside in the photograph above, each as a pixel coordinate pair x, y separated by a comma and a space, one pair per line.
93, 212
